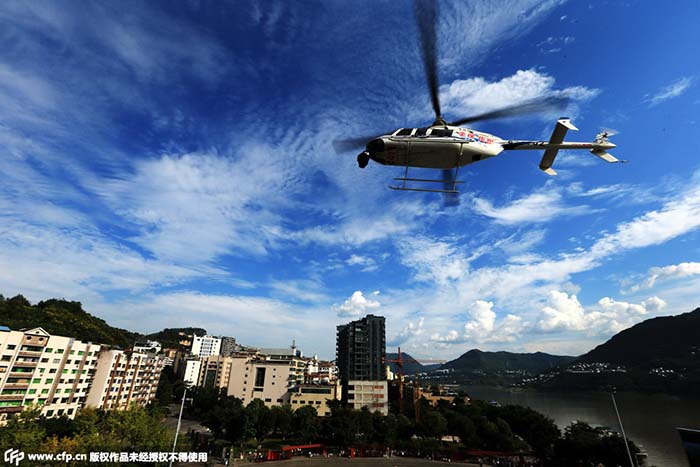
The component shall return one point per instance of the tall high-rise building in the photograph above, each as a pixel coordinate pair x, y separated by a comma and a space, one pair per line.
361, 349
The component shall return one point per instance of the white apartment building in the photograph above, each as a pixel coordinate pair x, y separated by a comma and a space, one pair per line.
147, 346
190, 374
36, 368
371, 394
204, 346
122, 379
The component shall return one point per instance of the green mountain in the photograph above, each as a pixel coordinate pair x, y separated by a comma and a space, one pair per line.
171, 337
476, 360
63, 318
668, 341
657, 355
66, 318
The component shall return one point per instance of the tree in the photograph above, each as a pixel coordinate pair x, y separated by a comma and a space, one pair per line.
432, 424
305, 423
282, 418
24, 431
587, 446
539, 431
259, 418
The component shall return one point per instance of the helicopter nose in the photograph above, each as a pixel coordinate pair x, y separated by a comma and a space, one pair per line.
375, 146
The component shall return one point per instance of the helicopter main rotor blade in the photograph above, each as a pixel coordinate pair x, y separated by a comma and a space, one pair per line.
426, 14
532, 106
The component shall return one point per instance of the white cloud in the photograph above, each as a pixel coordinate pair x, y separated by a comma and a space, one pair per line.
565, 312
536, 207
410, 331
366, 263
475, 95
356, 305
483, 326
436, 261
668, 272
674, 89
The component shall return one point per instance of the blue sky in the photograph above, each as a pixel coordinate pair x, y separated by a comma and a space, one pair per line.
170, 164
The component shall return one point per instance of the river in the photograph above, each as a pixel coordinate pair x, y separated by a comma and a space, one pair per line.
649, 420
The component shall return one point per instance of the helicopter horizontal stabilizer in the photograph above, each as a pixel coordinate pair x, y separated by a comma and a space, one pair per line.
563, 125
606, 156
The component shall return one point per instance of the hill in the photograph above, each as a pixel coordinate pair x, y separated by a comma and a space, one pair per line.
171, 337
477, 360
669, 341
63, 318
657, 355
410, 365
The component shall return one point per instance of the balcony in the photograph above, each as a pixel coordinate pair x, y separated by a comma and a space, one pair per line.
11, 409
11, 397
16, 385
29, 353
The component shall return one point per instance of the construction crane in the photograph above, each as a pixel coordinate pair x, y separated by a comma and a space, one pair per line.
399, 371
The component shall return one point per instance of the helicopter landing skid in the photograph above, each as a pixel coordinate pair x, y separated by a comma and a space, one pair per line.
405, 179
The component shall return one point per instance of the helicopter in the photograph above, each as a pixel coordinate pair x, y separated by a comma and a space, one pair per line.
449, 146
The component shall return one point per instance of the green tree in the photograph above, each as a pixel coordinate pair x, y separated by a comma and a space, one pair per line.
24, 431
432, 424
259, 418
305, 423
282, 417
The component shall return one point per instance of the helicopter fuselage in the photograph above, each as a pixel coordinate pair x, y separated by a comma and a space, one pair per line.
439, 148
448, 147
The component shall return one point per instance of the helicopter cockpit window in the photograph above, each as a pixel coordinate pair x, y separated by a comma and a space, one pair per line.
421, 131
404, 132
440, 132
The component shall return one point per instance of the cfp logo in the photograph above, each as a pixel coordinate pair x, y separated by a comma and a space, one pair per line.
14, 456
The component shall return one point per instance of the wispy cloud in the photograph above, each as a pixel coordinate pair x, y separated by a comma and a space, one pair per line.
537, 207
674, 89
673, 271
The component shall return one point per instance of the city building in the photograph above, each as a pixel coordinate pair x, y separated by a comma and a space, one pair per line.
122, 379
39, 369
316, 395
229, 347
204, 346
215, 371
190, 371
171, 356
371, 394
267, 379
147, 346
361, 349
360, 355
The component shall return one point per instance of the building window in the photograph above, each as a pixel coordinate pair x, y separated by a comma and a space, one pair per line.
260, 377
11, 347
